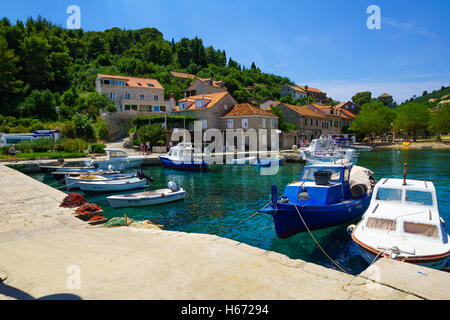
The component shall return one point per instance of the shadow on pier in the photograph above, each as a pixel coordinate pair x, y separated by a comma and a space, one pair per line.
21, 295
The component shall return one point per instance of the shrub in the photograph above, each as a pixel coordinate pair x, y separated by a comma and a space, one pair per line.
68, 130
74, 145
153, 133
97, 148
101, 130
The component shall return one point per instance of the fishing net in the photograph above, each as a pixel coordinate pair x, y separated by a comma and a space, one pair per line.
73, 200
119, 222
88, 207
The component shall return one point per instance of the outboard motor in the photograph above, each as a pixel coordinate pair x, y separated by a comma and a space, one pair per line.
96, 165
141, 176
172, 186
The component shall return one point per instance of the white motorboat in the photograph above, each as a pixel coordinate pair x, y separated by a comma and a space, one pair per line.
72, 182
117, 158
322, 151
242, 161
403, 223
172, 193
113, 185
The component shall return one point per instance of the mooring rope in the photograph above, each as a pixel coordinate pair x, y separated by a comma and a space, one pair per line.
317, 243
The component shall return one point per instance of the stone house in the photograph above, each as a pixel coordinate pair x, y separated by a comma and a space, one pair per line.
208, 108
247, 116
310, 123
337, 119
131, 94
349, 106
268, 104
298, 92
386, 99
204, 86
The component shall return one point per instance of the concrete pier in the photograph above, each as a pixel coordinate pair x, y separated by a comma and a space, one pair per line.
45, 251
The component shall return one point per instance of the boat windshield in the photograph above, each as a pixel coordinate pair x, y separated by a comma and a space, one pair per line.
389, 194
421, 229
420, 198
117, 154
335, 173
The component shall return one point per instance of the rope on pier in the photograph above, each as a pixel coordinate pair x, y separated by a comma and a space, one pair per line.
317, 243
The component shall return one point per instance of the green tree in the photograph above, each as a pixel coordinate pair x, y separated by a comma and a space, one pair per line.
412, 118
440, 120
362, 98
374, 118
9, 85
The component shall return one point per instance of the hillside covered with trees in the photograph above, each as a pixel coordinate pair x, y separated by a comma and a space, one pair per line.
43, 66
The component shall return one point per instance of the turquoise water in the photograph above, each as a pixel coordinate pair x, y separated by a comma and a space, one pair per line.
227, 195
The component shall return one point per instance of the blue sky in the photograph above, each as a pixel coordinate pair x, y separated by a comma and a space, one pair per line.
324, 44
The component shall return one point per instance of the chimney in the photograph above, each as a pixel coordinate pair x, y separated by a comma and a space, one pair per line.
172, 102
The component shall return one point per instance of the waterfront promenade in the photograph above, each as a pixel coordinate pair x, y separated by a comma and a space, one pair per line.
40, 243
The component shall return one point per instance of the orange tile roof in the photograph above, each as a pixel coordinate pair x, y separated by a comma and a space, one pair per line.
182, 75
134, 82
303, 88
304, 111
248, 110
213, 98
346, 112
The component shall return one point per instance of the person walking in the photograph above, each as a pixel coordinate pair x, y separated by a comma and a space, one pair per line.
12, 153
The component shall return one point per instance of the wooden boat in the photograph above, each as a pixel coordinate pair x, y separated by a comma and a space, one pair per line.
113, 185
117, 158
148, 198
61, 174
181, 157
406, 143
403, 223
72, 181
326, 195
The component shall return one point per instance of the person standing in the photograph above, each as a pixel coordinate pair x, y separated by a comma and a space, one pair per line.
149, 150
12, 153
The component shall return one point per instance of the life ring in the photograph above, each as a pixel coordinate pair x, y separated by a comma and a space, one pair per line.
351, 228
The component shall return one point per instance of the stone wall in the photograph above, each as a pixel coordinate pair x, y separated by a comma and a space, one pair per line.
119, 123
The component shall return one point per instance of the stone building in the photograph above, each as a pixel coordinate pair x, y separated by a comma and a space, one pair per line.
133, 94
208, 108
349, 106
337, 118
247, 116
204, 86
310, 124
386, 99
299, 92
268, 104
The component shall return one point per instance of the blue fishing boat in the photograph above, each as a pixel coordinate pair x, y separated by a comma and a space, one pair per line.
181, 157
326, 195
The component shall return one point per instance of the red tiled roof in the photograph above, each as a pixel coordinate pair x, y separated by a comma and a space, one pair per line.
304, 111
134, 82
248, 110
213, 98
182, 75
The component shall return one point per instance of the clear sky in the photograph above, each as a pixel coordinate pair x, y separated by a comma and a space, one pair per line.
324, 44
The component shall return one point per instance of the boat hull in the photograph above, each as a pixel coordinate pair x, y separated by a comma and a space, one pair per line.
100, 187
369, 255
288, 222
125, 163
73, 182
188, 166
130, 201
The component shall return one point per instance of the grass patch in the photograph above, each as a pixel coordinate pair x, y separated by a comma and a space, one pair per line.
50, 155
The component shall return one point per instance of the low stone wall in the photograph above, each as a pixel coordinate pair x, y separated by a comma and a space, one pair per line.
293, 157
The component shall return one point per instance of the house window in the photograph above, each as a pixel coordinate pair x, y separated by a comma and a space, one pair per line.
106, 82
182, 105
142, 97
111, 95
156, 109
273, 123
230, 123
134, 107
149, 108
156, 98
306, 122
312, 122
127, 96
264, 123
127, 107
204, 124
317, 123
245, 123
163, 108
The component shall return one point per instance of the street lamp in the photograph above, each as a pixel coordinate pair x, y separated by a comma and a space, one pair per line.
59, 120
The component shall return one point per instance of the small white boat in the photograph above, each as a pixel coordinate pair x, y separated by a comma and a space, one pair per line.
403, 223
326, 151
117, 158
72, 182
113, 185
173, 193
242, 161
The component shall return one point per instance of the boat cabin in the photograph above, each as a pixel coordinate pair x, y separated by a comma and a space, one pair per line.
116, 153
321, 185
409, 210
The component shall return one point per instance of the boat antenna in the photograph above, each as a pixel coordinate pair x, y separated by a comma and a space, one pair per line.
404, 174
